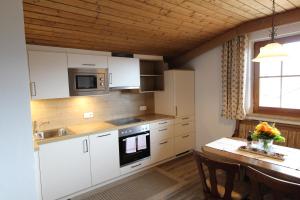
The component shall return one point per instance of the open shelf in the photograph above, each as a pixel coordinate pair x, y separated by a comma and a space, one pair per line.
152, 75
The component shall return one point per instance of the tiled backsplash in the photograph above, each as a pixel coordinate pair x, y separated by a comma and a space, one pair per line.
66, 112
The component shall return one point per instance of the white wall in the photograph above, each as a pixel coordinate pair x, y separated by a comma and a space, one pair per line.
208, 98
16, 147
209, 124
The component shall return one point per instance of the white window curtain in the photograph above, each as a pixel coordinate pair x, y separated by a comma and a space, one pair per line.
233, 78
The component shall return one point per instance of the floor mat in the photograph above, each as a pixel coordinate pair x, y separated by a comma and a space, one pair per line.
142, 187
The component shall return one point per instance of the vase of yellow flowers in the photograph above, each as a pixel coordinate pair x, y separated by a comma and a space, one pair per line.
266, 134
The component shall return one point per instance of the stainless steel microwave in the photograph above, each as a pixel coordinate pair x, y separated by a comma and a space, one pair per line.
88, 81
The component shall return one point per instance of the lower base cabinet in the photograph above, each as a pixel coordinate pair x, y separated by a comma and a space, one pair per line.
183, 143
104, 152
161, 149
64, 167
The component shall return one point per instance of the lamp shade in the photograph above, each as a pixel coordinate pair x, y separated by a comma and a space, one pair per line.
271, 52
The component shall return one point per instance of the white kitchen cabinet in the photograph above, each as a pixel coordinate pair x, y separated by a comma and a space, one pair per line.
178, 97
48, 74
184, 142
64, 167
104, 151
135, 166
162, 140
161, 149
86, 61
123, 72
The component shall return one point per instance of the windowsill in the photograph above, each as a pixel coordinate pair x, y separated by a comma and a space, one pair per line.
274, 118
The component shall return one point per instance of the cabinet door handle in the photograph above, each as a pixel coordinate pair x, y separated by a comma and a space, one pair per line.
185, 136
110, 78
184, 118
162, 123
176, 111
99, 136
162, 129
33, 89
85, 146
87, 64
134, 166
163, 143
185, 124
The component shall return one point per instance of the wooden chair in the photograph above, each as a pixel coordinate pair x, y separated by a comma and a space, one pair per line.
280, 189
212, 187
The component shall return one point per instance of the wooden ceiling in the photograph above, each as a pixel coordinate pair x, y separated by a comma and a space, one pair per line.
160, 27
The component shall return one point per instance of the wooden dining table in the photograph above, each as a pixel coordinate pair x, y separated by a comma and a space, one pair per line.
227, 149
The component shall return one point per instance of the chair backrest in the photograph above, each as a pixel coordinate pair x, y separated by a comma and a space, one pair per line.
279, 188
213, 165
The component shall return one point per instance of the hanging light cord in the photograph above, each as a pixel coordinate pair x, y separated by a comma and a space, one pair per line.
273, 31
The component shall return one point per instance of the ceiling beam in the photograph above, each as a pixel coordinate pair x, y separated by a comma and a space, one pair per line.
247, 27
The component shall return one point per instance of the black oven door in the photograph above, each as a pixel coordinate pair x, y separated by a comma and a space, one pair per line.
127, 158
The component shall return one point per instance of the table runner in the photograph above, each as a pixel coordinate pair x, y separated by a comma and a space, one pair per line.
292, 158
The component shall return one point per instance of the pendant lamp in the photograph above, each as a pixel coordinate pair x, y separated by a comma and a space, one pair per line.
273, 51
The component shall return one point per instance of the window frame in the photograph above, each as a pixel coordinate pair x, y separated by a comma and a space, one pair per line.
270, 110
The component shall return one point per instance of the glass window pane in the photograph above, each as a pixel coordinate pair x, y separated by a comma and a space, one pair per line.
270, 68
269, 92
291, 92
291, 65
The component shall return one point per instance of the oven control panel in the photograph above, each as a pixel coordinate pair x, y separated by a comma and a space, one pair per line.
134, 130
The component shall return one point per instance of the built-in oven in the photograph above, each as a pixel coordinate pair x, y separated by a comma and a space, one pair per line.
134, 144
88, 81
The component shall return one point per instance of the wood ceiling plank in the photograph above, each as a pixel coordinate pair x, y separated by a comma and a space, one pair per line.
59, 5
238, 6
229, 7
129, 12
287, 5
268, 3
106, 25
165, 26
254, 4
72, 29
254, 25
170, 10
52, 41
38, 34
295, 2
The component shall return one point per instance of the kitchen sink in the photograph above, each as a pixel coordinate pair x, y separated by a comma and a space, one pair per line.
52, 133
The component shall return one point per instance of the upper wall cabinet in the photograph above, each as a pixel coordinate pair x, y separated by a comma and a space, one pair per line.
48, 74
178, 97
124, 72
86, 61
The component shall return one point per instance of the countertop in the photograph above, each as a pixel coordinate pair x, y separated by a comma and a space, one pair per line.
98, 127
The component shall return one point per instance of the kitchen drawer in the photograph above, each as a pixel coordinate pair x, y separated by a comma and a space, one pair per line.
135, 166
161, 124
162, 133
162, 149
184, 119
183, 143
184, 128
86, 61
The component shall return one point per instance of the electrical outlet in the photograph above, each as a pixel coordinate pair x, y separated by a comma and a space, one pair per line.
88, 115
142, 108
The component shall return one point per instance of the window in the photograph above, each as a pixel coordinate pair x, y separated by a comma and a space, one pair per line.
277, 84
